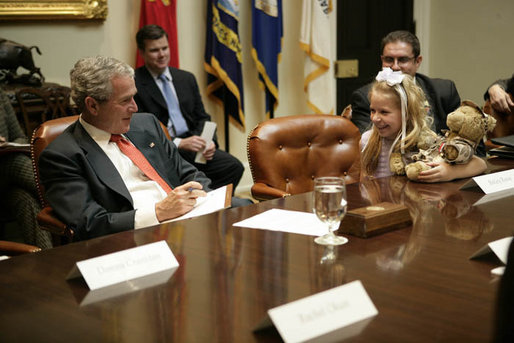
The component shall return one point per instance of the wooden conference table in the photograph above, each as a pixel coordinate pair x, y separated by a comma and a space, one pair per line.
420, 278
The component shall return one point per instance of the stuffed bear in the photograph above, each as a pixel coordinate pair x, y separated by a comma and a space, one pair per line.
467, 125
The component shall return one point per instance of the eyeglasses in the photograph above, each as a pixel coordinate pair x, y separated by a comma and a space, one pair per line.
389, 61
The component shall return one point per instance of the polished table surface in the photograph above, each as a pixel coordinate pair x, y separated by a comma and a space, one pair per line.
420, 278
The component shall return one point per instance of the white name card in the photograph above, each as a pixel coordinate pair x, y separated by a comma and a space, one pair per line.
125, 265
499, 247
492, 183
322, 313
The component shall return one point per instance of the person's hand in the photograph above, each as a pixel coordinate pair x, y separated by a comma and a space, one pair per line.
179, 201
193, 143
2, 139
209, 152
440, 172
500, 99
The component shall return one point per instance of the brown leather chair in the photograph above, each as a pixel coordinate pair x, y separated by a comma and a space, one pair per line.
287, 153
14, 248
42, 136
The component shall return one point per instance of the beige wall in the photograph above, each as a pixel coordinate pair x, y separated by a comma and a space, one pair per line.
470, 42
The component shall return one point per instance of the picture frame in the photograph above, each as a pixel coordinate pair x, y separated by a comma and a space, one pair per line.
53, 9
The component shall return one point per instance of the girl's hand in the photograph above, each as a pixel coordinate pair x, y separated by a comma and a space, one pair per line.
440, 172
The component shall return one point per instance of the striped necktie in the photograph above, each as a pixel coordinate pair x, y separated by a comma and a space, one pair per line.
140, 161
176, 117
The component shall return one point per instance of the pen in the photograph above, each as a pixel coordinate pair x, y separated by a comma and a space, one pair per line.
190, 189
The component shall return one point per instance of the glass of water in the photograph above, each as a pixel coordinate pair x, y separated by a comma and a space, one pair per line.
329, 205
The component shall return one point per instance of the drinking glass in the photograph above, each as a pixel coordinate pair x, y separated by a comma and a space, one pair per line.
330, 206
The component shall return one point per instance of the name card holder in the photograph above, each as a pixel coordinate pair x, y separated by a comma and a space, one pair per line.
130, 264
337, 313
495, 185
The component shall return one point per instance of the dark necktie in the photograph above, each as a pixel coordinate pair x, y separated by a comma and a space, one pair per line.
139, 160
176, 117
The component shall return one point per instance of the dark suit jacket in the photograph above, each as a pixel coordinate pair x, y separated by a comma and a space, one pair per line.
149, 99
84, 188
441, 94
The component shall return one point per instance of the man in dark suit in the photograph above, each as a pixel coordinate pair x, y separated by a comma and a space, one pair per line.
182, 110
93, 186
401, 51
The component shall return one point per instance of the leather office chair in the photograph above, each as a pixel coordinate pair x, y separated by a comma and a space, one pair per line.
14, 248
287, 153
42, 136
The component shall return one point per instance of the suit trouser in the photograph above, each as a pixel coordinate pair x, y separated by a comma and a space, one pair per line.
223, 169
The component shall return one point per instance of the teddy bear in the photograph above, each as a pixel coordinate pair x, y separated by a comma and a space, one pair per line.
468, 124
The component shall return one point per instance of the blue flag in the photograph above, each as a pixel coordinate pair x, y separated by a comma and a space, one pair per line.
223, 58
267, 35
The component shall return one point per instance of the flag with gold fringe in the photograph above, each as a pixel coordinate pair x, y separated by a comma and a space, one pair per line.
164, 14
223, 58
267, 35
316, 42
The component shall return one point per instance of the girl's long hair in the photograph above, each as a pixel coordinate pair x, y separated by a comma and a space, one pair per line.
416, 118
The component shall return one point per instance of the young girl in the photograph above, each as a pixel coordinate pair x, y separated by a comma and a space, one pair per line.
398, 115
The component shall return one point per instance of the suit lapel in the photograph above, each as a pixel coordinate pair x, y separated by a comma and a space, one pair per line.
145, 143
150, 87
101, 163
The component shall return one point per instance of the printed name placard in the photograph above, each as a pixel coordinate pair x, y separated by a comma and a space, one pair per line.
492, 183
125, 265
499, 247
322, 313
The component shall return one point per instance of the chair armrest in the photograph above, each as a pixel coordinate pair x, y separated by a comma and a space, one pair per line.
15, 248
261, 191
48, 221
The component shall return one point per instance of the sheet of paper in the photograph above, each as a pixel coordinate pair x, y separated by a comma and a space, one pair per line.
286, 221
207, 134
214, 201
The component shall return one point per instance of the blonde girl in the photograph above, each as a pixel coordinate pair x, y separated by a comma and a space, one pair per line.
399, 118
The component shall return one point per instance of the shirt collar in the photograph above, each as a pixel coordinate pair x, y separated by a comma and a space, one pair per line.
156, 76
99, 136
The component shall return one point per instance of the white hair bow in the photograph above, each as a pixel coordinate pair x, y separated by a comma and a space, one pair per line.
391, 77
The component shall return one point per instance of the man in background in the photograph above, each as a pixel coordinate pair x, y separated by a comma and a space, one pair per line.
401, 51
172, 95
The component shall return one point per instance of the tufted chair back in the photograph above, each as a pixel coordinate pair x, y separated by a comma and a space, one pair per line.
287, 153
43, 135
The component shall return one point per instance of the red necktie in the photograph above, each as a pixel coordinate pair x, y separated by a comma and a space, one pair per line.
139, 160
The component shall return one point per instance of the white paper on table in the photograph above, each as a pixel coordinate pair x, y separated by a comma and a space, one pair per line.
287, 221
207, 134
212, 202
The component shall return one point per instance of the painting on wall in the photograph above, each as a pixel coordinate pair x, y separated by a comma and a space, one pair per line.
53, 9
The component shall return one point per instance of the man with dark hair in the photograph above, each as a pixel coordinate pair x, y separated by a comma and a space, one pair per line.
401, 51
500, 94
172, 95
